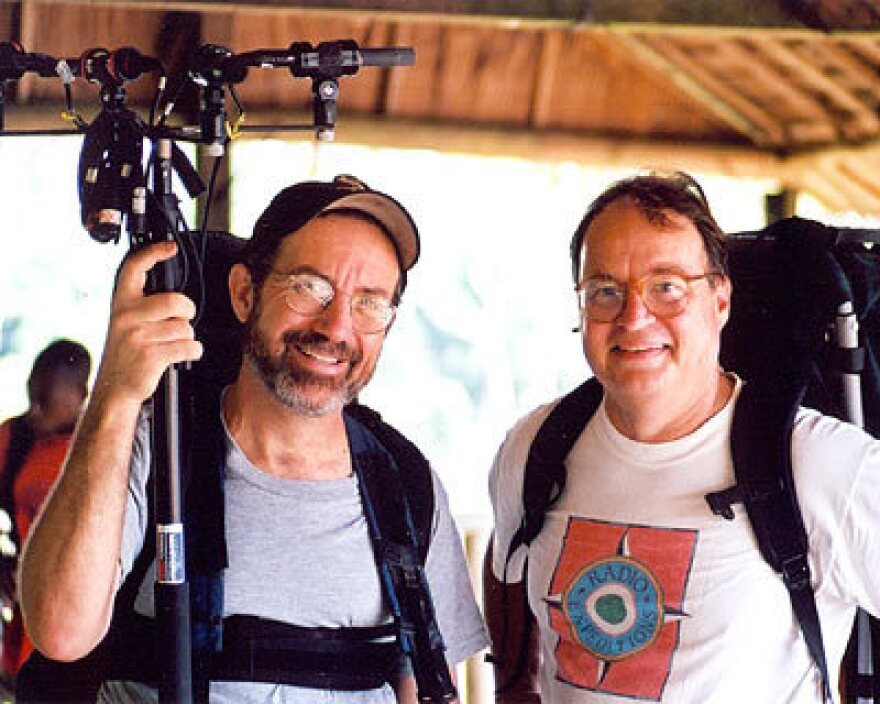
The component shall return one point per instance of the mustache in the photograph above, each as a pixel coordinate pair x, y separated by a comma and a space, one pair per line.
317, 343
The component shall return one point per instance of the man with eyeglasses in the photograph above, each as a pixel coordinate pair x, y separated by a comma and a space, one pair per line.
636, 590
316, 290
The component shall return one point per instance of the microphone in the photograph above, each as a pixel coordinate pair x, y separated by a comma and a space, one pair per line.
109, 169
216, 64
211, 68
118, 66
327, 59
390, 56
15, 61
344, 57
127, 64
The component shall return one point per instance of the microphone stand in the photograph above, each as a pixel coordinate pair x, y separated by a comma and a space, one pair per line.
171, 595
154, 220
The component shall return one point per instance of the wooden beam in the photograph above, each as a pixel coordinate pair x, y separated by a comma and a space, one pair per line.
805, 158
551, 146
729, 13
826, 94
855, 197
844, 178
696, 81
867, 48
861, 178
485, 141
9, 20
776, 93
805, 171
541, 106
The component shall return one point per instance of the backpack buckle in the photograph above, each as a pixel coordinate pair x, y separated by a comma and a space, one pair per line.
721, 502
796, 572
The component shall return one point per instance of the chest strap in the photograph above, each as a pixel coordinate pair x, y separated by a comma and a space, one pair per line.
262, 650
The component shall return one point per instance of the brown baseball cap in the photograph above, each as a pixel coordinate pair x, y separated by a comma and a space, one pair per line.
297, 205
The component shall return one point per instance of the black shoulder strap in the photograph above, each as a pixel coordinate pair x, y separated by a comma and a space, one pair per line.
415, 474
761, 450
386, 492
544, 476
543, 482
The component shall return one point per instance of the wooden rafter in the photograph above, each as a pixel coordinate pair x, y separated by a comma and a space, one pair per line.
551, 49
829, 98
835, 15
851, 191
796, 113
701, 84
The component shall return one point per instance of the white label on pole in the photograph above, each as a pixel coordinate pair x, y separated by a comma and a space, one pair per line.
169, 554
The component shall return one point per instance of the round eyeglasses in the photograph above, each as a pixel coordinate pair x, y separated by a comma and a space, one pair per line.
602, 299
311, 294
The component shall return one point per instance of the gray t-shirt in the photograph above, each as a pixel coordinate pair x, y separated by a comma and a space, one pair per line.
299, 552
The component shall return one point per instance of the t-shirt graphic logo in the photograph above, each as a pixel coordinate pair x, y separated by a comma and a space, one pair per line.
616, 602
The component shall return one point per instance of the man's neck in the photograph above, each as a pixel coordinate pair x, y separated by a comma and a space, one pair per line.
279, 441
652, 420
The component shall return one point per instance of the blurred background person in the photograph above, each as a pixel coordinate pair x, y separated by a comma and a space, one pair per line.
33, 446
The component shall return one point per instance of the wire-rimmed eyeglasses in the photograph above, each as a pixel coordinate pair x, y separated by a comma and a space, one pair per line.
310, 295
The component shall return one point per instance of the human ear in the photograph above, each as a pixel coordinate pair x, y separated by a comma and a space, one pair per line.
723, 292
241, 291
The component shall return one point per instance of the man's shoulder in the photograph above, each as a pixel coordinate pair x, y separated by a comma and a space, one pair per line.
524, 430
390, 437
814, 427
514, 449
832, 463
820, 438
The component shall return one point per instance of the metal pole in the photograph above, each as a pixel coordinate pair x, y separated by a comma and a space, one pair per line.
847, 332
171, 589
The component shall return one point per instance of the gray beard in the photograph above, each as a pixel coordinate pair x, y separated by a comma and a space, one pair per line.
290, 385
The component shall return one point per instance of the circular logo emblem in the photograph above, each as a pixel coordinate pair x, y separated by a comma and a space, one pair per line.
615, 607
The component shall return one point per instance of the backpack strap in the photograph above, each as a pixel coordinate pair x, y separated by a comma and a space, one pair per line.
384, 486
415, 478
544, 474
761, 450
543, 482
342, 658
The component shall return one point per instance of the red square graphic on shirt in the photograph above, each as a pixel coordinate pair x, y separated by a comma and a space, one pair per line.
616, 602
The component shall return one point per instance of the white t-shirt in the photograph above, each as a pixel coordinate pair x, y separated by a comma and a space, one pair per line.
642, 593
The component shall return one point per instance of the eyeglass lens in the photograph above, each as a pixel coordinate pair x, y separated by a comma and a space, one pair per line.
310, 295
664, 295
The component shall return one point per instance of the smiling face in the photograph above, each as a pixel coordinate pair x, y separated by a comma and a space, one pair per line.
316, 364
646, 361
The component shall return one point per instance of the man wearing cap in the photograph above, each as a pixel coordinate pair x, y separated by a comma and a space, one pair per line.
316, 290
